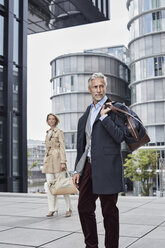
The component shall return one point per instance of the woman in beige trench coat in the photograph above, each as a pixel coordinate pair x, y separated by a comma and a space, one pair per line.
55, 162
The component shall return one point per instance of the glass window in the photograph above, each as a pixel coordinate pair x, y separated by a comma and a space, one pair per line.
73, 63
1, 146
159, 110
1, 86
88, 64
156, 21
67, 65
16, 8
150, 90
105, 7
160, 133
158, 91
80, 63
2, 35
156, 4
147, 24
15, 88
16, 185
143, 91
15, 147
151, 132
95, 63
151, 113
16, 42
149, 68
158, 66
138, 93
53, 72
148, 45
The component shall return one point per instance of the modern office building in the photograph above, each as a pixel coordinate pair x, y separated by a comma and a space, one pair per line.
147, 66
70, 96
16, 21
119, 51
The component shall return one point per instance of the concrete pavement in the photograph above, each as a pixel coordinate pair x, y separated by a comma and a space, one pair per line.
23, 223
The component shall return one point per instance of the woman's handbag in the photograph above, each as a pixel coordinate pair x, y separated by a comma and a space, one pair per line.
62, 185
137, 133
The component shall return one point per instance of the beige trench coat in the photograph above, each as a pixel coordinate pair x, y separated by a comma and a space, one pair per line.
55, 152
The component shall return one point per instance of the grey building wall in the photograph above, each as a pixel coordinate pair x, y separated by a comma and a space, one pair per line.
147, 55
70, 95
147, 66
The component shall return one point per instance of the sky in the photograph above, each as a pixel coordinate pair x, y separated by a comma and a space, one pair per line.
44, 47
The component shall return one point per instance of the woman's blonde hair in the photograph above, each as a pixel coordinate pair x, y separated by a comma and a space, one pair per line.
56, 118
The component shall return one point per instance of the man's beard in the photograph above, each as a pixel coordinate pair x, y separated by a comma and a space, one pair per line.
98, 98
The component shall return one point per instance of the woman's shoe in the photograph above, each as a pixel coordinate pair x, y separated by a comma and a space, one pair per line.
51, 213
68, 213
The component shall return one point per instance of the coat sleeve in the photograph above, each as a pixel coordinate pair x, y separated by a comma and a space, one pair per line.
117, 132
62, 147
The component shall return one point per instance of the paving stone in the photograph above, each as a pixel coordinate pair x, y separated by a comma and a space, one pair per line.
23, 223
12, 221
148, 243
132, 218
31, 237
158, 233
14, 246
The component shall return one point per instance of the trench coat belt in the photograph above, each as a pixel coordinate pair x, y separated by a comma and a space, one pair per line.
88, 159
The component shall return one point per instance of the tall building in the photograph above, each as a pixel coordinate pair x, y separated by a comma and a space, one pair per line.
147, 66
70, 96
119, 51
16, 21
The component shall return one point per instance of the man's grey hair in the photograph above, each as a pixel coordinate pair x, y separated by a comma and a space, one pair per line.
97, 75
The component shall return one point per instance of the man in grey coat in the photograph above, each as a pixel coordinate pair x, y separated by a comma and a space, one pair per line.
98, 167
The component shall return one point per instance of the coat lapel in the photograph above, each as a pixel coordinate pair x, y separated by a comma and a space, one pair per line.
84, 118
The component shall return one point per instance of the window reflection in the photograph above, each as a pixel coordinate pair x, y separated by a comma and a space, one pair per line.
156, 21
148, 68
1, 34
149, 23
15, 88
16, 42
70, 140
1, 86
1, 146
136, 7
16, 8
159, 66
2, 2
15, 146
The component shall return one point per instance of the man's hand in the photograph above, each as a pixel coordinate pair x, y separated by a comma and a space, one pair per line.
75, 179
63, 167
104, 110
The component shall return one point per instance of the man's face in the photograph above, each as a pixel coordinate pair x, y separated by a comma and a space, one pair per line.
97, 89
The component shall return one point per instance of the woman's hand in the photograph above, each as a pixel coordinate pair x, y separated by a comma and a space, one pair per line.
63, 167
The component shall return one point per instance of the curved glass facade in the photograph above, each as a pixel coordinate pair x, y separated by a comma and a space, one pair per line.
89, 63
151, 44
147, 56
148, 23
69, 90
148, 68
149, 90
136, 7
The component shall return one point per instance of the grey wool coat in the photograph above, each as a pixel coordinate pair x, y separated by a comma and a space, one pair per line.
106, 159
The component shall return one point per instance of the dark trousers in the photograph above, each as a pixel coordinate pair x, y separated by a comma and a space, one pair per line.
86, 209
